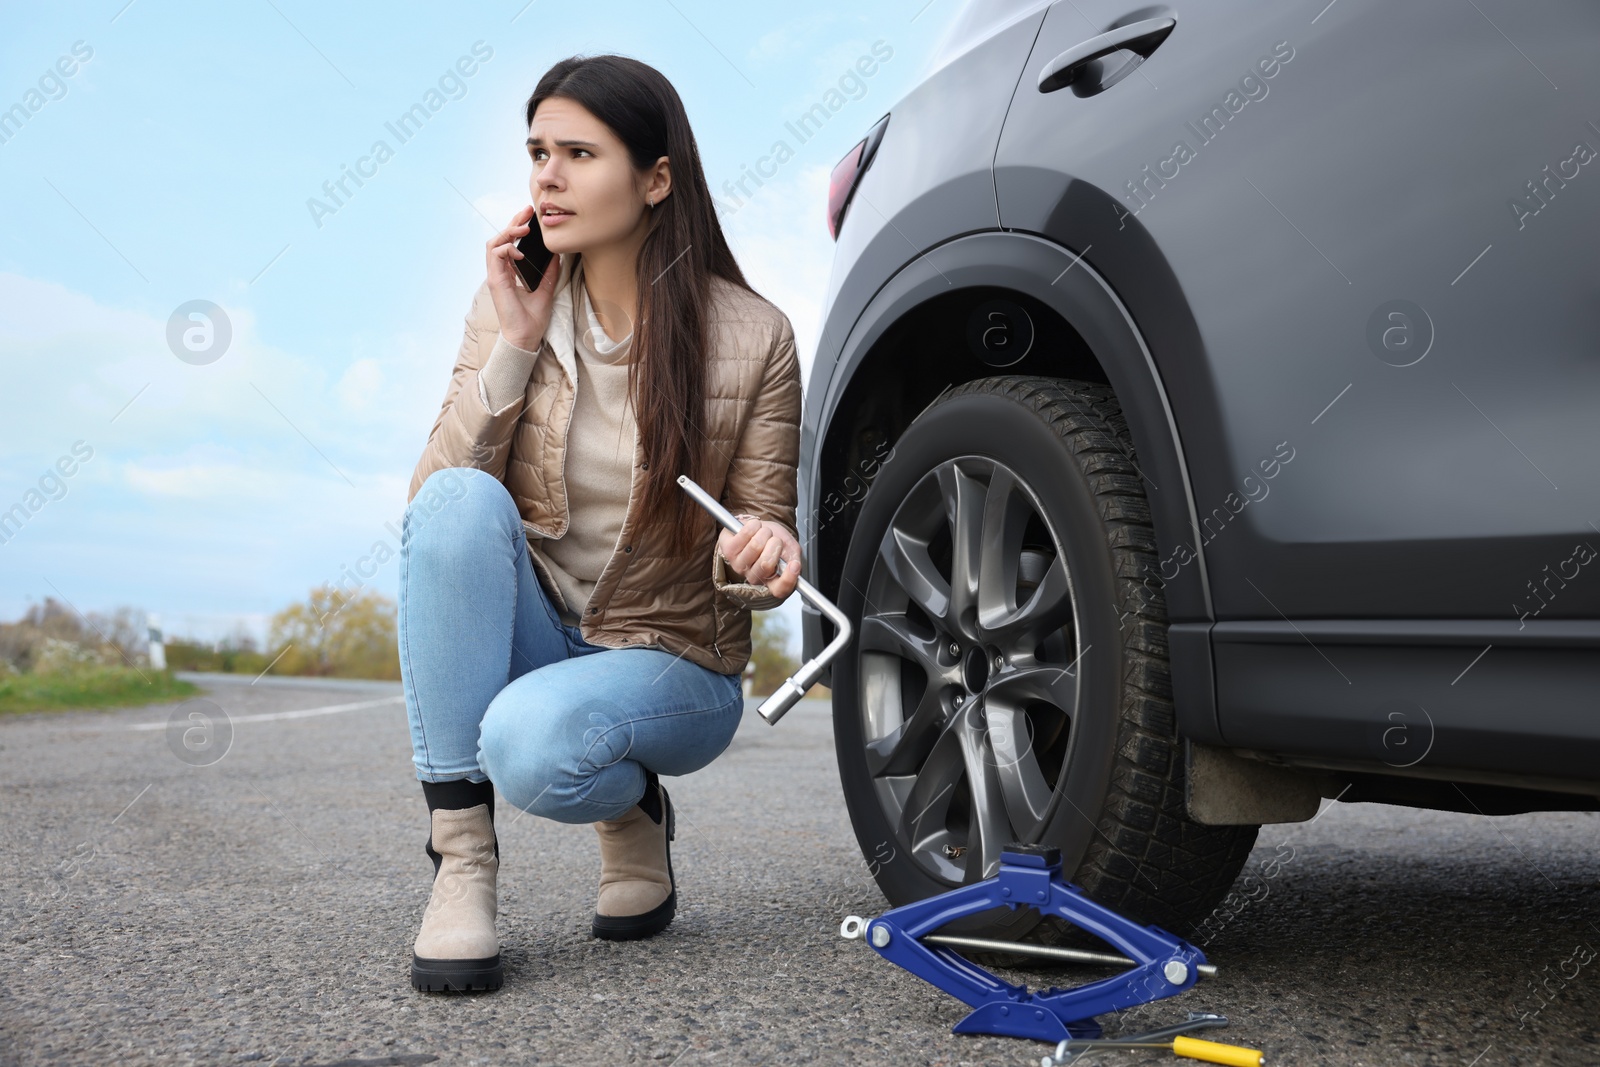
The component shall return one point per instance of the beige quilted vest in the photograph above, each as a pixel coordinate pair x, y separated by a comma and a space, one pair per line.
682, 604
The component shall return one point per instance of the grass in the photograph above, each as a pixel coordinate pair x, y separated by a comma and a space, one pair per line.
89, 687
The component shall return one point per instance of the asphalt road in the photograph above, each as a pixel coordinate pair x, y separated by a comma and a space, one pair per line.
260, 907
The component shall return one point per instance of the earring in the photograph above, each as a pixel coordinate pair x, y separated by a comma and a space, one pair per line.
652, 202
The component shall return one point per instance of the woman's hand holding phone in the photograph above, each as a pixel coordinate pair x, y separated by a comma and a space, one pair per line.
524, 316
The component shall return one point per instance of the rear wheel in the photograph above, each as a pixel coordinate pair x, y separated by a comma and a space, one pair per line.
1009, 677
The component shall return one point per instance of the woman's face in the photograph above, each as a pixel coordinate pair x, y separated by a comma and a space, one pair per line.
580, 165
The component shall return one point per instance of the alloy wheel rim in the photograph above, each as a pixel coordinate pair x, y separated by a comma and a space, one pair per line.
971, 672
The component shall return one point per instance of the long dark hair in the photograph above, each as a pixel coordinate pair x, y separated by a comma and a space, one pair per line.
682, 251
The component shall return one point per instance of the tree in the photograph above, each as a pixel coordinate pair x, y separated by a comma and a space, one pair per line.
770, 663
336, 635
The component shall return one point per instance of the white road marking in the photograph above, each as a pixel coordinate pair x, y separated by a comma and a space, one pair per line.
303, 713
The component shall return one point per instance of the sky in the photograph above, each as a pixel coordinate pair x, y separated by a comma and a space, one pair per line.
158, 157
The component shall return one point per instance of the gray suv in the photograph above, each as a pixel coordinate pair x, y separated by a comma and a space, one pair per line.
1205, 422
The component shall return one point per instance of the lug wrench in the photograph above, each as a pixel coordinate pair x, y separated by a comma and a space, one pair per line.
793, 688
1168, 1037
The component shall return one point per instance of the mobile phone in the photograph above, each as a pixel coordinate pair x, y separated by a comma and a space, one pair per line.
536, 257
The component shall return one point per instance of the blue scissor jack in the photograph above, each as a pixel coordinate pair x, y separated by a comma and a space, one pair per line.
1030, 875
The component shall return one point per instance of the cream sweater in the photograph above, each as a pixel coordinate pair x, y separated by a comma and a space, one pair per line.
600, 450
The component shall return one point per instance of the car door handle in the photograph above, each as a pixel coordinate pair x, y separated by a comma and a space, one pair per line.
1142, 37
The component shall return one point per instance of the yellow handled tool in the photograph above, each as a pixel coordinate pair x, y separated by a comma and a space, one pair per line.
1215, 1052
1191, 1047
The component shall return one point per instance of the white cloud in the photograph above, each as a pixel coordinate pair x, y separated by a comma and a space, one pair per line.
72, 368
359, 387
195, 481
783, 42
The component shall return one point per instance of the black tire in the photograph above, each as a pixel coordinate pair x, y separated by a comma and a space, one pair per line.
1093, 695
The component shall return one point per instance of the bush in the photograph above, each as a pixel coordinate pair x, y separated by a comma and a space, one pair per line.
51, 637
226, 656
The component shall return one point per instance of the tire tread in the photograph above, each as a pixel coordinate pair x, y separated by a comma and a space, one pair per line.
1149, 860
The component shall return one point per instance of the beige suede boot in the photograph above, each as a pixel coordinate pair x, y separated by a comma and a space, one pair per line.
457, 948
638, 896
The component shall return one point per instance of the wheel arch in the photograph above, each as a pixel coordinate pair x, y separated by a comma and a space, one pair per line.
909, 345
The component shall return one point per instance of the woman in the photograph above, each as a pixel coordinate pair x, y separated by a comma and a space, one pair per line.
571, 623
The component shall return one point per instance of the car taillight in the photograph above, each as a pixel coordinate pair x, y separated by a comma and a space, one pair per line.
840, 185
847, 175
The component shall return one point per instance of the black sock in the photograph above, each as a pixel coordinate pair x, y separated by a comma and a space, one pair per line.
459, 793
651, 801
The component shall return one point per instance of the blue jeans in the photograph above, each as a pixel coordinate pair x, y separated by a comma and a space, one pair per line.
497, 687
